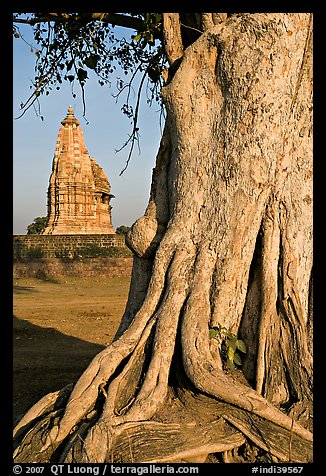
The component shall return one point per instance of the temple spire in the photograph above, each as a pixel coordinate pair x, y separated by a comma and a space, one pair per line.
70, 118
79, 191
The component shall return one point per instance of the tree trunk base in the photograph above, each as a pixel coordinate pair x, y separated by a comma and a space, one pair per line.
192, 428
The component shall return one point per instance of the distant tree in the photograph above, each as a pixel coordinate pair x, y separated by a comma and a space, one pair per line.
122, 230
38, 225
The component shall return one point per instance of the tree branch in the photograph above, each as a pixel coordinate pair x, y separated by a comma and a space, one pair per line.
207, 20
219, 17
112, 18
172, 36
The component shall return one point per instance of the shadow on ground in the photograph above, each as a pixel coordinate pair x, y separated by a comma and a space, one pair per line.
24, 289
44, 360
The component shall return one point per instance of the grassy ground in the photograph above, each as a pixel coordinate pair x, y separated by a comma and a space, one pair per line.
59, 326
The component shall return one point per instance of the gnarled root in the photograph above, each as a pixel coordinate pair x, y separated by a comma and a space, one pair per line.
121, 402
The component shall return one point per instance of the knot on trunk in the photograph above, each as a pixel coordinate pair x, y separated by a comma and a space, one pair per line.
144, 236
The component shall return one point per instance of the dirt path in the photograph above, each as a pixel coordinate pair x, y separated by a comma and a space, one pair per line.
59, 325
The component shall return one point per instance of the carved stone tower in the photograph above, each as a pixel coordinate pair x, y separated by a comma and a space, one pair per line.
79, 191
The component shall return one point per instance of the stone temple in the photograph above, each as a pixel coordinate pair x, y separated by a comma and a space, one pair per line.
79, 191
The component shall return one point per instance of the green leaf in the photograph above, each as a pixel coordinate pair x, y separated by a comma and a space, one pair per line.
231, 335
157, 18
241, 346
69, 65
82, 75
154, 74
91, 61
150, 38
138, 37
231, 343
237, 359
212, 333
231, 353
230, 364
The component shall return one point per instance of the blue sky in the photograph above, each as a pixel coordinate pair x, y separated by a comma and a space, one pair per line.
34, 143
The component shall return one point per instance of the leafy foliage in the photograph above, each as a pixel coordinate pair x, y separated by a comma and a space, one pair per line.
35, 252
38, 225
152, 29
73, 46
122, 230
230, 345
66, 50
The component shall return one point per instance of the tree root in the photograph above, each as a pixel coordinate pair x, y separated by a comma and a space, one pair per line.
115, 405
204, 375
46, 404
110, 412
173, 442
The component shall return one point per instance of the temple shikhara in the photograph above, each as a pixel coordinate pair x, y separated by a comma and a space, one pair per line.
79, 191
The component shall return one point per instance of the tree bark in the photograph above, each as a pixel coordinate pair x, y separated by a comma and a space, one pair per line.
226, 240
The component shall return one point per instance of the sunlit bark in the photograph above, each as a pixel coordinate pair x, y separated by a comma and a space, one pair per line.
225, 240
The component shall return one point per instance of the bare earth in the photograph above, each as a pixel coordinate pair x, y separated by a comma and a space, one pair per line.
59, 326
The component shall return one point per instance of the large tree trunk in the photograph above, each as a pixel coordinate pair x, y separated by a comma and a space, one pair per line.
226, 240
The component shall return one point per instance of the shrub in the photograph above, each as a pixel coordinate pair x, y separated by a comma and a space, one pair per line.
34, 252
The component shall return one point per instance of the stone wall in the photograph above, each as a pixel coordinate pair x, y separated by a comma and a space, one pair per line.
69, 246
